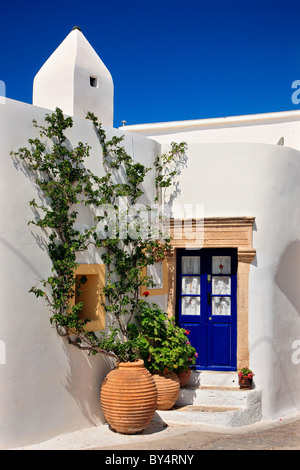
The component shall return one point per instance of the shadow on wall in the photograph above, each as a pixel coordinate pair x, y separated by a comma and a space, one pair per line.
169, 195
84, 379
25, 260
281, 390
85, 373
287, 280
287, 277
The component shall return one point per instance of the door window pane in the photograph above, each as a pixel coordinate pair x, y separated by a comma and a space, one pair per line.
221, 264
221, 306
190, 285
190, 305
221, 285
190, 265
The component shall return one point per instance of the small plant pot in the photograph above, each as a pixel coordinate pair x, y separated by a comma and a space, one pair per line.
184, 377
168, 388
245, 382
128, 397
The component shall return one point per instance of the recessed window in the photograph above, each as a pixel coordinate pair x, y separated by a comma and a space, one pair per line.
93, 81
159, 274
90, 293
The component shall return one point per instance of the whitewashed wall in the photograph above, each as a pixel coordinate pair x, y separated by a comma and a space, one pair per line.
47, 387
270, 128
250, 166
263, 181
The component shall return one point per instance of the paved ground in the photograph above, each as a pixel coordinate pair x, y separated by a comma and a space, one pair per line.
278, 435
281, 436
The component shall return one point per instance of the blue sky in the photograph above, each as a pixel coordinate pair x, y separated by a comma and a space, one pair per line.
170, 60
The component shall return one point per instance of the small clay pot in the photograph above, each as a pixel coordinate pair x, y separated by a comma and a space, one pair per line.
184, 377
168, 388
245, 382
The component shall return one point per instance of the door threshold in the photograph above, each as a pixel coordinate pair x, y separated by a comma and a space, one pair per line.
214, 378
214, 370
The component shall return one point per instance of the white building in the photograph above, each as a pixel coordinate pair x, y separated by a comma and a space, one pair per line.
243, 171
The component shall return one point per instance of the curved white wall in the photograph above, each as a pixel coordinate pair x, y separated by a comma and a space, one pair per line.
270, 128
47, 387
259, 180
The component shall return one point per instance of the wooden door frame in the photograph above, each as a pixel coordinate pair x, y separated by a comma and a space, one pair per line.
218, 232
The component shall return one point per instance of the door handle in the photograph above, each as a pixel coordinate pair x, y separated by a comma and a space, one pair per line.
210, 318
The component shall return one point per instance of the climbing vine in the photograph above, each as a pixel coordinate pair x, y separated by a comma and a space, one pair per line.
65, 184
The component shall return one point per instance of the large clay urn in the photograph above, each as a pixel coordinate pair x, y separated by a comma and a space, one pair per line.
168, 388
129, 397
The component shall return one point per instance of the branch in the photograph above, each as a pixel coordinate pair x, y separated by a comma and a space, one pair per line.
91, 349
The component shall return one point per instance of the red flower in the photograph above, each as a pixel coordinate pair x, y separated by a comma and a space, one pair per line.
187, 332
146, 293
196, 354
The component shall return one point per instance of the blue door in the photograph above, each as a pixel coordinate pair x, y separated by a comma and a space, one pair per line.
206, 304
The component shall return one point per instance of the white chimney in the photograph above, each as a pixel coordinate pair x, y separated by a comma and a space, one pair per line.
75, 79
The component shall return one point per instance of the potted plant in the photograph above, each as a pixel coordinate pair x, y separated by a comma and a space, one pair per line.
165, 350
245, 378
64, 183
189, 355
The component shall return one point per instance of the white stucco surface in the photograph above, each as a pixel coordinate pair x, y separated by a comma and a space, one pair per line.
234, 171
64, 81
250, 166
233, 168
259, 180
47, 387
280, 128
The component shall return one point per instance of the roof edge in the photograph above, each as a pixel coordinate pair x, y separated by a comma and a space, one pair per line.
243, 119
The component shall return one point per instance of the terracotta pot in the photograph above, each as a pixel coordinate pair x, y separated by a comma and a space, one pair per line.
128, 397
168, 388
245, 382
184, 377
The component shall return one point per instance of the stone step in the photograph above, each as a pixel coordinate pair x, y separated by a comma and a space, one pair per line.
247, 412
212, 396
